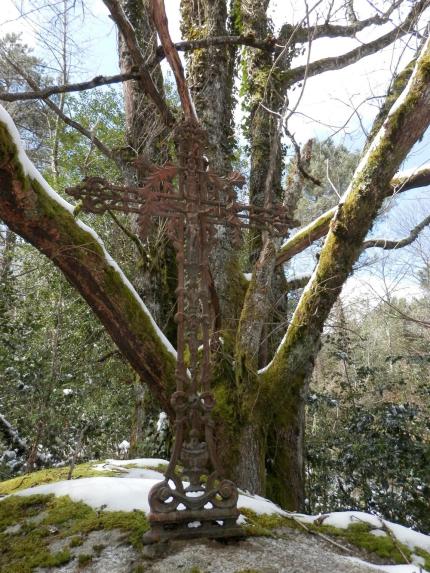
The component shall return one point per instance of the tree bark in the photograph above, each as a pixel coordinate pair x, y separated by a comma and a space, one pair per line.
287, 374
37, 214
210, 77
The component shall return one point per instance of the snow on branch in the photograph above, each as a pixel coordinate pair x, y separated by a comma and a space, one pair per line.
33, 210
404, 125
319, 227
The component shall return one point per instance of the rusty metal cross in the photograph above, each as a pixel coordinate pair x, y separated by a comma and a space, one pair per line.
193, 199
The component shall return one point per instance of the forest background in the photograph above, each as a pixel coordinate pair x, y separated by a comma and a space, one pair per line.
63, 384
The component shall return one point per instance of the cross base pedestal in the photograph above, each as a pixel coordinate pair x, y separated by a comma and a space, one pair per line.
209, 523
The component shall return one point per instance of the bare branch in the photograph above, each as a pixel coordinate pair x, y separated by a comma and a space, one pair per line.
69, 88
306, 236
144, 77
300, 165
328, 30
57, 110
160, 21
404, 316
349, 58
268, 44
387, 244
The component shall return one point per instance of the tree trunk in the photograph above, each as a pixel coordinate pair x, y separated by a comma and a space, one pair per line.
288, 373
210, 77
33, 210
155, 277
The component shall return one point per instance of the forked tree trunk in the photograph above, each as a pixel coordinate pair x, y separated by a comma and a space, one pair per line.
259, 415
284, 381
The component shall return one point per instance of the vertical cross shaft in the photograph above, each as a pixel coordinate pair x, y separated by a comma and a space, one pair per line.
192, 199
208, 504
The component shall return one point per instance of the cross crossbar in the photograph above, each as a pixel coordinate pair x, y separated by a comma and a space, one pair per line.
194, 200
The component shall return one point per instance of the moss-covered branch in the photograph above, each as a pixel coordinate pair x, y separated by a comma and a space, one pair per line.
405, 124
36, 213
318, 228
305, 237
284, 380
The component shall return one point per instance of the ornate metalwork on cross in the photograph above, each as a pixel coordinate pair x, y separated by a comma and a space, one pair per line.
194, 200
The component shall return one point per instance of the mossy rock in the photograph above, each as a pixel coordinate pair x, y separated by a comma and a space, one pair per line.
357, 534
26, 547
50, 475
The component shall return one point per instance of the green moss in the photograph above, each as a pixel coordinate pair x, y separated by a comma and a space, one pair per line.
160, 468
425, 555
357, 534
76, 541
61, 518
98, 548
84, 559
14, 509
49, 475
134, 523
9, 154
236, 17
263, 524
22, 551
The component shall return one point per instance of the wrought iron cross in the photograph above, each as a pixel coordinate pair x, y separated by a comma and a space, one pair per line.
193, 199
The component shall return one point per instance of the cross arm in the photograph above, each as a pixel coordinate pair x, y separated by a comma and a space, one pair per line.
158, 196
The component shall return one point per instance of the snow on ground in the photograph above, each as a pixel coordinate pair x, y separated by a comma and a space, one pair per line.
390, 568
135, 468
409, 537
119, 494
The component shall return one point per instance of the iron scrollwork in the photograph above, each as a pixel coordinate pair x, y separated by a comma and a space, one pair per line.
193, 200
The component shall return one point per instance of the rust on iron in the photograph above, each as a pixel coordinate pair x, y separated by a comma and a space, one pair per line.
193, 199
